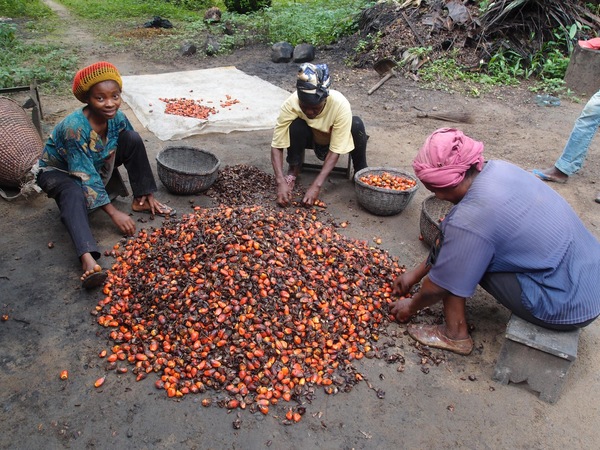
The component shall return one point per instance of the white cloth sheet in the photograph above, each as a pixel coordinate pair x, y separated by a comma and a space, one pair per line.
258, 107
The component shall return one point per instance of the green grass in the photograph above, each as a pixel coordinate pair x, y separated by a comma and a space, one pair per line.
295, 21
24, 8
133, 9
313, 21
24, 56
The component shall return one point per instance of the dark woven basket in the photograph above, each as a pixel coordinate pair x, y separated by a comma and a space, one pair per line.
187, 170
20, 143
433, 211
381, 201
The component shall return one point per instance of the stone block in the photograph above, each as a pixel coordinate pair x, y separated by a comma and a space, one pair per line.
582, 72
304, 53
281, 52
538, 356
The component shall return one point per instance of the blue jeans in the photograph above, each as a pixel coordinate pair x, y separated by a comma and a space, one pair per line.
581, 136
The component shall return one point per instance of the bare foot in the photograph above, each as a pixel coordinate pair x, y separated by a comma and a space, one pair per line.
87, 273
93, 278
551, 174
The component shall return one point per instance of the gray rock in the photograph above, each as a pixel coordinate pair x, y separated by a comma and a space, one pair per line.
188, 49
304, 53
229, 28
282, 52
212, 15
212, 46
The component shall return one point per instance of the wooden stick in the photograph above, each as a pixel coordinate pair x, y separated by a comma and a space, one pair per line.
410, 25
389, 75
447, 116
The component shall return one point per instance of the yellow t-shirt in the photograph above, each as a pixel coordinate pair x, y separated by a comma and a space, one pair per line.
331, 127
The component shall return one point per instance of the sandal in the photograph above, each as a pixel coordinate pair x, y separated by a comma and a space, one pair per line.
93, 279
432, 336
165, 211
290, 180
545, 177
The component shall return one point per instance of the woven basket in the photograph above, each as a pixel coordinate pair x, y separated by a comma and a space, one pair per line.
187, 170
381, 201
20, 143
433, 211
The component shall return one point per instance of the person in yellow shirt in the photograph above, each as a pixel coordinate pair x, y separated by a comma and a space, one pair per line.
319, 118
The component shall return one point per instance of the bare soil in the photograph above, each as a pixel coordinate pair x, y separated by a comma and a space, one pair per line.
452, 404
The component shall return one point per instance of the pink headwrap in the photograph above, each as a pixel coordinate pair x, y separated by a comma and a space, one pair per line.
446, 156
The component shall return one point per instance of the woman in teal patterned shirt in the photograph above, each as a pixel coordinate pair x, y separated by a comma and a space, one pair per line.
79, 159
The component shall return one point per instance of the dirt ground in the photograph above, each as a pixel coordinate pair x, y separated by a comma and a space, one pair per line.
455, 404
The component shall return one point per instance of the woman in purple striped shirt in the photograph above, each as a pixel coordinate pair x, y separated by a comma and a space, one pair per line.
508, 232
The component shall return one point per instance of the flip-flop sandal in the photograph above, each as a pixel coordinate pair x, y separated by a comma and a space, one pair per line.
431, 336
545, 177
290, 180
94, 280
170, 213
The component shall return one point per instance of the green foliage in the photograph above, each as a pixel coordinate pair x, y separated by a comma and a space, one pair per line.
24, 8
420, 52
550, 85
125, 9
314, 22
484, 5
448, 75
506, 67
370, 42
192, 5
551, 62
7, 35
21, 62
593, 7
246, 6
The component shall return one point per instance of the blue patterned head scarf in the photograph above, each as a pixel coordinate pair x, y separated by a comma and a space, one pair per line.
313, 83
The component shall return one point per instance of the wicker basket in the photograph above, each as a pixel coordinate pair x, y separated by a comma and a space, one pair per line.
433, 211
381, 201
187, 170
20, 143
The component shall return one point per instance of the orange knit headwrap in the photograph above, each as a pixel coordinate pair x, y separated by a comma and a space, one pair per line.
94, 74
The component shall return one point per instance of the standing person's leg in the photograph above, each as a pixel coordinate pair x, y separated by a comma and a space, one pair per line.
360, 137
577, 146
301, 138
583, 132
72, 205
